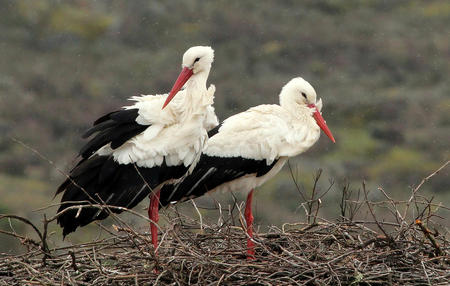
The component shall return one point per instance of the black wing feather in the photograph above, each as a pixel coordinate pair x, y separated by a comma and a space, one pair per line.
125, 115
209, 173
100, 179
104, 117
99, 127
115, 127
118, 139
214, 131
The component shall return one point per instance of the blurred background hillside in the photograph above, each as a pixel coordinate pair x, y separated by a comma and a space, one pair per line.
381, 67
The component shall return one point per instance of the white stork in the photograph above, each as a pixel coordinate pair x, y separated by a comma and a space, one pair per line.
138, 148
251, 147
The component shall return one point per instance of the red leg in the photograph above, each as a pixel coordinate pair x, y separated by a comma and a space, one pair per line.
153, 215
249, 220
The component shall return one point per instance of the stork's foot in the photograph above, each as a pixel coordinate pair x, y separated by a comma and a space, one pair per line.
153, 214
249, 220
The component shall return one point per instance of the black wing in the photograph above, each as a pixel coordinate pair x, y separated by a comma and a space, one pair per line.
99, 179
114, 128
211, 172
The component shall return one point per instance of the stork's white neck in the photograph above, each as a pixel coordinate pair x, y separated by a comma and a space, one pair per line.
195, 98
198, 80
196, 91
304, 129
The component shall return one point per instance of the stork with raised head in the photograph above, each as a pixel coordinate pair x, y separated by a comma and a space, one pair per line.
251, 147
137, 149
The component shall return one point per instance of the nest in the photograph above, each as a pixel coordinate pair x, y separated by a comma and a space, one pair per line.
399, 249
318, 254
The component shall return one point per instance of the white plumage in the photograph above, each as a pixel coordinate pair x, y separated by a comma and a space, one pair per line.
139, 148
251, 147
172, 134
267, 132
179, 131
264, 132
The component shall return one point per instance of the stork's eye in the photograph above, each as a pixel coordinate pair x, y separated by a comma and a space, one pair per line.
196, 60
304, 95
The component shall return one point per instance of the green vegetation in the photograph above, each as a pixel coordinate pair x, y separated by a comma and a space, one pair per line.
381, 68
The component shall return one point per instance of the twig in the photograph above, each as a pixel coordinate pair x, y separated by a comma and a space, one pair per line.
428, 235
424, 180
74, 264
373, 215
199, 214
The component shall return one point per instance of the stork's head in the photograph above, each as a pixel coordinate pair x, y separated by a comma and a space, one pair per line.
198, 59
195, 60
298, 95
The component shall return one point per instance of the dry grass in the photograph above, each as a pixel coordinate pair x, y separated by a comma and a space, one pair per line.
403, 248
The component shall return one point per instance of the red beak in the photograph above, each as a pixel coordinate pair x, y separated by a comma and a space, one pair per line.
183, 77
321, 122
